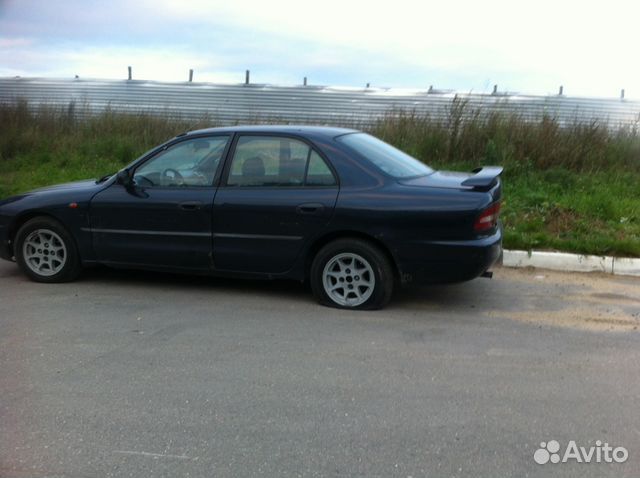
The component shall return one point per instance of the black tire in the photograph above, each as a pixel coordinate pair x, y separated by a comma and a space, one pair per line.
352, 249
68, 263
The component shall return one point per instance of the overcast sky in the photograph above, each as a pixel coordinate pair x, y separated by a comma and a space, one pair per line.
526, 46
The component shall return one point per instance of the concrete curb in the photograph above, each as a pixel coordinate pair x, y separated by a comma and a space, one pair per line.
562, 261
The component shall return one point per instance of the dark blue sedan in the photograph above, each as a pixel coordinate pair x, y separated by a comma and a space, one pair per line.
340, 208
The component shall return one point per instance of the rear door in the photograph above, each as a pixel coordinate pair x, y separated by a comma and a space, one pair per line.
277, 192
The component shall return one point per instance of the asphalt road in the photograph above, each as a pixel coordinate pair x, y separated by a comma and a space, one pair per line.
140, 374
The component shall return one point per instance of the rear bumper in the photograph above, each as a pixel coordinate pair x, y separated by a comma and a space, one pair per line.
422, 262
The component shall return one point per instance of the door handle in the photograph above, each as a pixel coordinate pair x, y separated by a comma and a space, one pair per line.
190, 205
311, 209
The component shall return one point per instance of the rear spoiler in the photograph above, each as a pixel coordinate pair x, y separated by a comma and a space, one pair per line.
484, 178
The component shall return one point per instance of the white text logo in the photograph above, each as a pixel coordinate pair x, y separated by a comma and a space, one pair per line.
600, 453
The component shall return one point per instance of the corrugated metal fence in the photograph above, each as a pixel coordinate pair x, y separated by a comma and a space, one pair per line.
244, 103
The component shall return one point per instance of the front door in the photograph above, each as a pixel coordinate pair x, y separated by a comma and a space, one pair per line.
164, 220
278, 192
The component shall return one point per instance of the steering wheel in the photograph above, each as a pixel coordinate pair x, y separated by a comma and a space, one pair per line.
175, 176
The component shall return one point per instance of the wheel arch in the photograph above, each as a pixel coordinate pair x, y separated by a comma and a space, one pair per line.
325, 239
25, 217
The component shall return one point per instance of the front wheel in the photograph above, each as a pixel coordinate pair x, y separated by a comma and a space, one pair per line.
46, 252
352, 274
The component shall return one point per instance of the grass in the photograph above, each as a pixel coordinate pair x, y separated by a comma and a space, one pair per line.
566, 187
591, 213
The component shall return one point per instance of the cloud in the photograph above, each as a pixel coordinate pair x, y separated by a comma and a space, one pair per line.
460, 44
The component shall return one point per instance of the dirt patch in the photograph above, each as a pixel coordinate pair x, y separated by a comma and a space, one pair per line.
614, 297
593, 301
561, 220
579, 318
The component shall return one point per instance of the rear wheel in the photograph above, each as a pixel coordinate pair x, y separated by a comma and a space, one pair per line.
352, 274
46, 252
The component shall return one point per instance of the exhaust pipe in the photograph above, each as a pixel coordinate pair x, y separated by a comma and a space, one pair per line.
487, 274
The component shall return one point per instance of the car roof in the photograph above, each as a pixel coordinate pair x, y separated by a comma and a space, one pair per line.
327, 131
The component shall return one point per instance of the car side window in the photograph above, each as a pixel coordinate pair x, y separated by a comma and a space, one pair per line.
190, 163
266, 161
318, 173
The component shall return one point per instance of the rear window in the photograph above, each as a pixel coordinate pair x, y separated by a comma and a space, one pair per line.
387, 158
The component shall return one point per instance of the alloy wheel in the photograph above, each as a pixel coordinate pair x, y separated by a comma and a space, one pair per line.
44, 252
348, 279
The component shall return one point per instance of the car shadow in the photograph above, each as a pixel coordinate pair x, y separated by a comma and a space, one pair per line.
458, 296
451, 296
480, 294
107, 275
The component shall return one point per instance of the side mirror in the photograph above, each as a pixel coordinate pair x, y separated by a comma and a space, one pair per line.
123, 177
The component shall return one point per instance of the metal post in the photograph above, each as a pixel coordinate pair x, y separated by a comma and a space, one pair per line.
495, 90
190, 76
560, 90
622, 94
246, 77
305, 81
129, 72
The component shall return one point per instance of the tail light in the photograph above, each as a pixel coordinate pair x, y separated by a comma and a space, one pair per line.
488, 219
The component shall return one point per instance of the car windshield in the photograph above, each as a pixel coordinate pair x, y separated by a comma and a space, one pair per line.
389, 159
